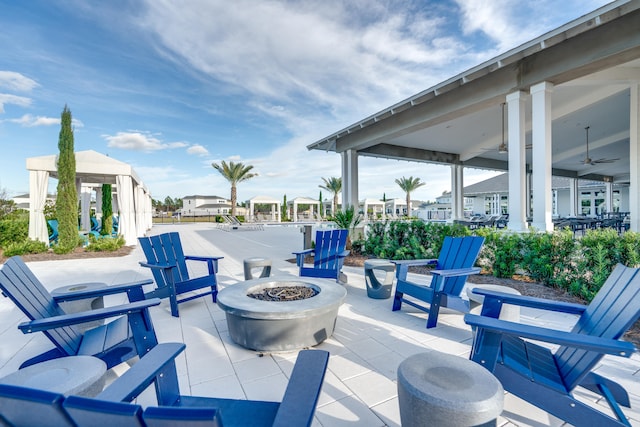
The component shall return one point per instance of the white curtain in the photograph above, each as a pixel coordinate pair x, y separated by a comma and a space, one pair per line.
149, 211
139, 211
127, 223
99, 202
38, 183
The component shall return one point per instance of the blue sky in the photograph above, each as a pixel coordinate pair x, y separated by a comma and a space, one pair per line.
172, 86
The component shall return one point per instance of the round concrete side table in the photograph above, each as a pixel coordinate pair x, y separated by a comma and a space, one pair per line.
78, 375
78, 306
256, 262
375, 288
439, 389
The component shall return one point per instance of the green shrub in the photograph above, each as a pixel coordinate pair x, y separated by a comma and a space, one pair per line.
27, 246
630, 248
579, 265
59, 248
13, 230
408, 239
502, 252
545, 255
105, 244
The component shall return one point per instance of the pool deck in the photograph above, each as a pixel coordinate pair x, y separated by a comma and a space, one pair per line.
366, 348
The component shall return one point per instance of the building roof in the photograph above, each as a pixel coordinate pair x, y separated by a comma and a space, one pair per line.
500, 184
204, 197
264, 200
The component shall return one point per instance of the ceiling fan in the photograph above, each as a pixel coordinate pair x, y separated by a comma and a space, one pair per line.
503, 148
588, 160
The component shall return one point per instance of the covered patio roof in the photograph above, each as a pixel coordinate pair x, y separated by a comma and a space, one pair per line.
592, 66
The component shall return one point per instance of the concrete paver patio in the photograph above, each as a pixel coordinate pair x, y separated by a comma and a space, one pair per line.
369, 342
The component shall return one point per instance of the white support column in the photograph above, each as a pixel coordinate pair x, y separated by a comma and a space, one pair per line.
541, 156
573, 196
350, 179
457, 192
634, 157
517, 161
608, 196
528, 193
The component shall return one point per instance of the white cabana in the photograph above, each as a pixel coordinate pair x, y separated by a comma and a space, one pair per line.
303, 201
376, 206
92, 170
396, 207
265, 200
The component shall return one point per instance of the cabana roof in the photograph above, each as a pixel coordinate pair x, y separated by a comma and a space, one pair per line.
91, 167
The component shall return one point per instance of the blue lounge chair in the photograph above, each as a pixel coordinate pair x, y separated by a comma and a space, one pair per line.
167, 262
546, 377
53, 237
53, 225
451, 269
328, 255
131, 334
23, 406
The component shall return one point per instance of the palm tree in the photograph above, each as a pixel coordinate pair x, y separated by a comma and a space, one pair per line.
234, 173
333, 185
408, 185
349, 220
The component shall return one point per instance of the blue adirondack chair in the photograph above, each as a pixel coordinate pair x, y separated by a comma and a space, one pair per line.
547, 378
328, 255
451, 269
167, 262
131, 334
23, 406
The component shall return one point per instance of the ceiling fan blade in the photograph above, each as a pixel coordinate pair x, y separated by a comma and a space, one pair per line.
604, 161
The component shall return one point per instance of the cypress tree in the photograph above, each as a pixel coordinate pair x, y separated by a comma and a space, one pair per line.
67, 198
284, 208
107, 210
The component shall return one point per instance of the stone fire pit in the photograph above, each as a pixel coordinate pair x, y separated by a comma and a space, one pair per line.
281, 325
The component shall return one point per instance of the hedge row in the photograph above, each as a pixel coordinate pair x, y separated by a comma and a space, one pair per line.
579, 265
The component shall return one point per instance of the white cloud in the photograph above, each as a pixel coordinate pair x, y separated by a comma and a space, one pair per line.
510, 23
139, 141
198, 150
320, 65
16, 82
20, 101
157, 173
324, 52
28, 120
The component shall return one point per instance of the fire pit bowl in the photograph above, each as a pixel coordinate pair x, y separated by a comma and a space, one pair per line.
281, 325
